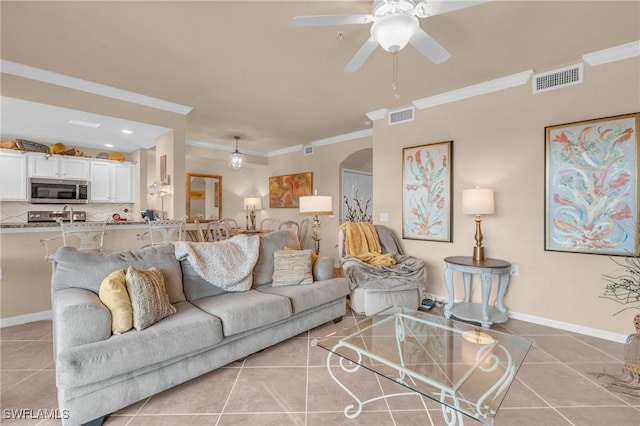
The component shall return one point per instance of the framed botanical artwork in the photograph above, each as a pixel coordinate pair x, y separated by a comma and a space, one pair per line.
426, 192
286, 190
591, 186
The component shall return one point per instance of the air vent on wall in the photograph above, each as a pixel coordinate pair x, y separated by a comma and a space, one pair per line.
563, 77
401, 116
307, 150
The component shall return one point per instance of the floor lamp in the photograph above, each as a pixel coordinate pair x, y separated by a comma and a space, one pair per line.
316, 205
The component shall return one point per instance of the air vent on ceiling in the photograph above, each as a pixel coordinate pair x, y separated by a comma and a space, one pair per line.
307, 150
401, 116
563, 77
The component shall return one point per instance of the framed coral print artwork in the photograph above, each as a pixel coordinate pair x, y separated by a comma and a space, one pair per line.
286, 190
591, 186
426, 192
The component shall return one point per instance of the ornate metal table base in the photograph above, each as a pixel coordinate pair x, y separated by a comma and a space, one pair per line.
488, 359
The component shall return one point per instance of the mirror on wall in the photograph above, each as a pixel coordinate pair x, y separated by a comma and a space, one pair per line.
204, 197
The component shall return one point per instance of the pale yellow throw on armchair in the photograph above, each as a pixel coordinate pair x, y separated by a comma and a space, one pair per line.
361, 241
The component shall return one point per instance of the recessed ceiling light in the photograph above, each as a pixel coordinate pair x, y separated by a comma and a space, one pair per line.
109, 145
128, 132
84, 123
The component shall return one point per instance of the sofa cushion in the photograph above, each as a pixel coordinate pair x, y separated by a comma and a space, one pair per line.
196, 287
269, 243
245, 311
292, 267
186, 332
113, 293
149, 298
305, 297
87, 270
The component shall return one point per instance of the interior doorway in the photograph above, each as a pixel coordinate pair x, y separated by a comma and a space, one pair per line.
357, 195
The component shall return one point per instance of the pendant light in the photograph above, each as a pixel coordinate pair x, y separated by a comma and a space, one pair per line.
236, 160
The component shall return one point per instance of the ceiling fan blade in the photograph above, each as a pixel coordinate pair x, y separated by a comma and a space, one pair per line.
438, 7
320, 20
361, 56
429, 47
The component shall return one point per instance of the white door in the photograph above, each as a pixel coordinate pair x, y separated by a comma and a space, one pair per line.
357, 194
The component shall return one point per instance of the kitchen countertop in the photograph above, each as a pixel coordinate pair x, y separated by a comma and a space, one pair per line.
51, 226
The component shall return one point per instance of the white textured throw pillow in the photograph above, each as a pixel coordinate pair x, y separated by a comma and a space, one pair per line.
148, 296
292, 267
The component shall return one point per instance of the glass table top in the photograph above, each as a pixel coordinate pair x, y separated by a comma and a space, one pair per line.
464, 367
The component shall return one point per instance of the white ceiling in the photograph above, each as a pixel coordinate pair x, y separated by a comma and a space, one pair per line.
50, 124
246, 70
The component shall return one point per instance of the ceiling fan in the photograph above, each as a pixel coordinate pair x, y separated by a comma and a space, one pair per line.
395, 23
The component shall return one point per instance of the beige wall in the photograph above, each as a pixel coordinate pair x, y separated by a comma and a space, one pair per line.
325, 165
499, 143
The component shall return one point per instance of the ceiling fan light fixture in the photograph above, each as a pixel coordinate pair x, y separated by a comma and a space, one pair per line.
393, 32
236, 161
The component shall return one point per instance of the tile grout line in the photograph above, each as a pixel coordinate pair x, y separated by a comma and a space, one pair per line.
306, 393
235, 382
598, 385
544, 400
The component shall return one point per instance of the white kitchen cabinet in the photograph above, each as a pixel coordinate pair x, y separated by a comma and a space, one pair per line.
111, 182
56, 166
13, 176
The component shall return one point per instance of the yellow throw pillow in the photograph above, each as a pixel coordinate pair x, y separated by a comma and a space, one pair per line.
113, 293
149, 297
291, 267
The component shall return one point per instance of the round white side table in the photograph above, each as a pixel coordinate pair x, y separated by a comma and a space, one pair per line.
477, 312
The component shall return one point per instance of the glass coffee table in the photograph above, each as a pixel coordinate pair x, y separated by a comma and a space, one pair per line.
467, 369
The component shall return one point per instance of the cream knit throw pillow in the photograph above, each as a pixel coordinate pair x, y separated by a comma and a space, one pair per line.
148, 297
292, 267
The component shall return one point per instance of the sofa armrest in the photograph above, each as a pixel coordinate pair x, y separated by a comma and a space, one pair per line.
79, 317
323, 269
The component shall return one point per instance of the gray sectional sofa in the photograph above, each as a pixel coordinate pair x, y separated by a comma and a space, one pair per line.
98, 373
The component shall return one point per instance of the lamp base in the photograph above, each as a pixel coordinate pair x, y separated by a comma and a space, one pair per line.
478, 253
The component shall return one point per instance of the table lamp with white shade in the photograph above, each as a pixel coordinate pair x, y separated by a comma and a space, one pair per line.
251, 204
316, 205
478, 201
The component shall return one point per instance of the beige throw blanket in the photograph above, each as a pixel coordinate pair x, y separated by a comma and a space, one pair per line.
227, 264
361, 241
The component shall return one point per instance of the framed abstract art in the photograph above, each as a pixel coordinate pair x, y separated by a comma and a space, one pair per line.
426, 192
285, 191
591, 186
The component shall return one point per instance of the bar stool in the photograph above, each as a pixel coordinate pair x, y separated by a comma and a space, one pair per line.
84, 236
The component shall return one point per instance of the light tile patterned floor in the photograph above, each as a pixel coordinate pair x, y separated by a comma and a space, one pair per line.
562, 382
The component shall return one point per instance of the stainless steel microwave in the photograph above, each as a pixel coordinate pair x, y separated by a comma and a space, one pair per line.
58, 191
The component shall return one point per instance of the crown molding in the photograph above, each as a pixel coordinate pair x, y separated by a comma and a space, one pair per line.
283, 151
490, 86
32, 73
343, 138
223, 148
378, 114
613, 54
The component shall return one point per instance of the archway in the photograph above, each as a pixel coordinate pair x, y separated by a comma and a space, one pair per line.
356, 186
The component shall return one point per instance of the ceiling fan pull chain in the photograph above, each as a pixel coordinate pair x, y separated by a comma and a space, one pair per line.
394, 85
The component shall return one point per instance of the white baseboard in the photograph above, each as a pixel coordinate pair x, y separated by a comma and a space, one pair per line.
561, 325
23, 319
566, 326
